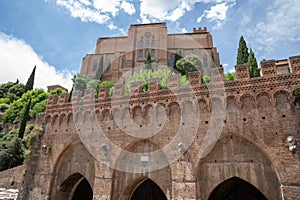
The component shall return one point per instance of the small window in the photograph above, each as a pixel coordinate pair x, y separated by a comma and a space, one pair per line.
141, 44
123, 63
153, 43
152, 52
95, 67
147, 43
108, 66
140, 53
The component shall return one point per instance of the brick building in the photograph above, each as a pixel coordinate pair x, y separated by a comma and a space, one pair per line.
225, 140
117, 55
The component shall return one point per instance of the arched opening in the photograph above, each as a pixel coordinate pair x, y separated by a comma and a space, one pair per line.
236, 189
148, 190
83, 191
75, 187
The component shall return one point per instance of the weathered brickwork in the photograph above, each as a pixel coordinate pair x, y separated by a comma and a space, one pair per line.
256, 116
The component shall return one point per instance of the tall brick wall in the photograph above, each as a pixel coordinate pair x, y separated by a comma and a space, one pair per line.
240, 131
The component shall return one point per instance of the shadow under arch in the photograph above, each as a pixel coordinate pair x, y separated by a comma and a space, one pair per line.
236, 189
76, 187
125, 183
74, 167
236, 156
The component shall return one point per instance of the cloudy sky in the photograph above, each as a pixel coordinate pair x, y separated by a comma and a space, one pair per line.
55, 35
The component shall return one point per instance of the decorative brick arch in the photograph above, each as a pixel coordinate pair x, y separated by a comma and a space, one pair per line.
235, 156
124, 183
73, 165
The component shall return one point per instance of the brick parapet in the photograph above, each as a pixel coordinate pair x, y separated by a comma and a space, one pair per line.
219, 88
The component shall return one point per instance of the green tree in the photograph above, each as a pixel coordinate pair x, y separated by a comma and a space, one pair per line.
188, 64
177, 57
99, 70
24, 120
229, 76
212, 63
30, 81
148, 62
252, 63
13, 155
17, 108
80, 82
242, 55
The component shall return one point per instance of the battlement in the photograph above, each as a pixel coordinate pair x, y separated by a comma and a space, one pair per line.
270, 82
199, 30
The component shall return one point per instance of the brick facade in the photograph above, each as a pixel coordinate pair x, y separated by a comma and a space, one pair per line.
240, 130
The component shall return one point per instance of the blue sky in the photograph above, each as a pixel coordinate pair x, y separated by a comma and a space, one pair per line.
56, 34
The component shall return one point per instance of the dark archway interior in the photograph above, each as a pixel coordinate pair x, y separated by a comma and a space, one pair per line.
148, 190
83, 191
236, 189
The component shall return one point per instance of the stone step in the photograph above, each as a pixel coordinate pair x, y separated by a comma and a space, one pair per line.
8, 194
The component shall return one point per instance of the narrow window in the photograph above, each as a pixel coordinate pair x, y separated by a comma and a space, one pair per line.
140, 53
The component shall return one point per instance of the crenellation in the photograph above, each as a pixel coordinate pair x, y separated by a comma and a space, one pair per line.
268, 68
195, 78
153, 85
63, 99
174, 82
89, 94
119, 90
242, 72
135, 88
294, 64
217, 75
76, 96
103, 92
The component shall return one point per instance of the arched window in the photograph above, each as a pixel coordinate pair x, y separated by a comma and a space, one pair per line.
123, 62
140, 53
147, 43
153, 43
95, 66
152, 52
141, 45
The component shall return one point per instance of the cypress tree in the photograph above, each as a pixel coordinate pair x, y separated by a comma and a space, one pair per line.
242, 56
30, 81
148, 61
252, 63
99, 70
212, 60
24, 120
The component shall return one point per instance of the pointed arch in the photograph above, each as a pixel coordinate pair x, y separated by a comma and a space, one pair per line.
236, 156
234, 189
72, 166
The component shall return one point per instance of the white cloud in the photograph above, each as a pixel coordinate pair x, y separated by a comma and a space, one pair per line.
216, 13
17, 60
110, 6
79, 10
85, 2
112, 26
128, 7
280, 25
172, 10
183, 30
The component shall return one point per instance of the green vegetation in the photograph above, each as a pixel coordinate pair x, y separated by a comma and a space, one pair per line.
252, 63
145, 74
188, 64
99, 70
17, 108
24, 120
229, 76
30, 81
243, 57
148, 62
